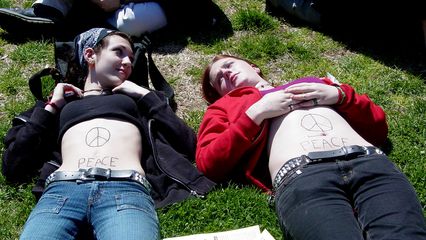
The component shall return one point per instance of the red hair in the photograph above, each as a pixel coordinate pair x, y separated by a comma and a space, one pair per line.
210, 94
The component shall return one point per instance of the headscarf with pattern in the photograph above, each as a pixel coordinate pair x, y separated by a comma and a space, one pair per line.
88, 39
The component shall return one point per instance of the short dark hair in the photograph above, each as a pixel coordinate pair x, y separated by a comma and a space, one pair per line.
80, 73
104, 40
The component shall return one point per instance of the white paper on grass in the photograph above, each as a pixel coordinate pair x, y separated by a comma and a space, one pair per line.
248, 233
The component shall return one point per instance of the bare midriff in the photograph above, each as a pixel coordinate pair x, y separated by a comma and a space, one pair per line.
308, 130
104, 143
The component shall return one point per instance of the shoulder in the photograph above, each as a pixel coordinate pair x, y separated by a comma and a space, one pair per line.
237, 100
243, 93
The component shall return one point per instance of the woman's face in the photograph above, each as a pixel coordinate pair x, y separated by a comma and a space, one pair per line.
114, 61
229, 73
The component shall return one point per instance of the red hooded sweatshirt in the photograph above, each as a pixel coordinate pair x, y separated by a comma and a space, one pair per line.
230, 145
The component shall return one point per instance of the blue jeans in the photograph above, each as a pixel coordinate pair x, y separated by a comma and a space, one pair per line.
113, 209
363, 198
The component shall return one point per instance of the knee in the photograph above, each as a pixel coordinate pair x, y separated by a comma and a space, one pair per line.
137, 19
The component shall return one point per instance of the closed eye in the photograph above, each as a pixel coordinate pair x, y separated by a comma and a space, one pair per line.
228, 65
219, 78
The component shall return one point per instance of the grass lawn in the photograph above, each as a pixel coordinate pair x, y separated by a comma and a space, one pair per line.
284, 50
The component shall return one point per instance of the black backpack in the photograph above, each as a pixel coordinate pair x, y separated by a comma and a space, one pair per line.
66, 70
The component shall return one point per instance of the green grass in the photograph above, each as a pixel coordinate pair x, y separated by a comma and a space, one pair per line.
225, 208
251, 19
284, 52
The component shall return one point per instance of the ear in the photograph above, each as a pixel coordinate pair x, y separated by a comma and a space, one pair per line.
89, 56
256, 68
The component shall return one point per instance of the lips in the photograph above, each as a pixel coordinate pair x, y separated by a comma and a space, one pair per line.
233, 77
122, 71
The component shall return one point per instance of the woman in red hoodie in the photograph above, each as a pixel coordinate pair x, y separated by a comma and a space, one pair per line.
311, 144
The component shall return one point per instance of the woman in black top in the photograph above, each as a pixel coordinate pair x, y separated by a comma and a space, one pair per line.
117, 145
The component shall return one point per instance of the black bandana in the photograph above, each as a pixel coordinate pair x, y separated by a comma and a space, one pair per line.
89, 39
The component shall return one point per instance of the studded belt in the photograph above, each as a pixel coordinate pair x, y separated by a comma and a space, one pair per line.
292, 167
102, 174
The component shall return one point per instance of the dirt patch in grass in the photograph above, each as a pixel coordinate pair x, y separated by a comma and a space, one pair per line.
175, 68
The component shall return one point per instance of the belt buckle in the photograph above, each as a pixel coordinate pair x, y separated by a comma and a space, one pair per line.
93, 173
353, 151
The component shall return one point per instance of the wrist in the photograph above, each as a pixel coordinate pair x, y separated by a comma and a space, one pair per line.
53, 106
342, 95
254, 114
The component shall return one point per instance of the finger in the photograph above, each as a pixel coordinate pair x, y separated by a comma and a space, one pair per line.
302, 96
298, 85
309, 103
76, 90
117, 89
295, 90
300, 88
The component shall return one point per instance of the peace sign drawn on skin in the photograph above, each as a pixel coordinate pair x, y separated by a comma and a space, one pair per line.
97, 137
316, 123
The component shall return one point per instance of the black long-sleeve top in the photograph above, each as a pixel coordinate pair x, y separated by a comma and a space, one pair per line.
31, 145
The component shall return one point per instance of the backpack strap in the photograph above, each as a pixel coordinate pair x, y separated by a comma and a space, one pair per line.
35, 83
140, 66
64, 56
64, 53
159, 82
143, 66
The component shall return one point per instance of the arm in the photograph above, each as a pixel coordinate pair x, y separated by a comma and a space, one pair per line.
107, 5
112, 5
367, 118
29, 143
32, 140
234, 128
222, 143
153, 105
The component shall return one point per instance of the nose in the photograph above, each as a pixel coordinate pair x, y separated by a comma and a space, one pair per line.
226, 73
127, 61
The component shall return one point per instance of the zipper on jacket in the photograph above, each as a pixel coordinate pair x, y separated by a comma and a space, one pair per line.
54, 163
154, 151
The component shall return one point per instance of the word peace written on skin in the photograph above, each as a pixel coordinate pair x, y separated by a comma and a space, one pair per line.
319, 125
97, 137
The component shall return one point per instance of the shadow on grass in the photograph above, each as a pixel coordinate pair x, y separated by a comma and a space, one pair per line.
387, 146
220, 28
401, 49
388, 33
208, 25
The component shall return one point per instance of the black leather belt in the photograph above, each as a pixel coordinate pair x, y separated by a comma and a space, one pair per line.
102, 174
292, 167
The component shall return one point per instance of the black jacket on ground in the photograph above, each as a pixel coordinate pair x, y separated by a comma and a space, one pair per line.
31, 146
